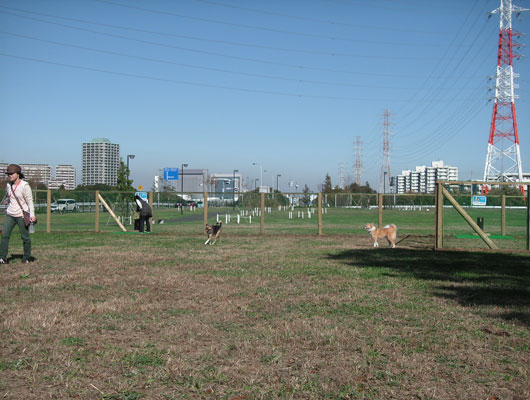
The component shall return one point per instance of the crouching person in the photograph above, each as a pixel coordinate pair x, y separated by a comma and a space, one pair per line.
145, 211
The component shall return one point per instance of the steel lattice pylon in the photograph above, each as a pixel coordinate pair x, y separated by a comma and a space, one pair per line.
503, 161
358, 166
385, 166
342, 179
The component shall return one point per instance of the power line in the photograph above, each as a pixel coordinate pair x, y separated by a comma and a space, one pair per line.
446, 130
231, 43
440, 135
212, 69
335, 23
444, 65
149, 42
254, 27
130, 75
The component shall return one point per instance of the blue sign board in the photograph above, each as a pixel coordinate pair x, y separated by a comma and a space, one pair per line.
479, 200
171, 174
142, 195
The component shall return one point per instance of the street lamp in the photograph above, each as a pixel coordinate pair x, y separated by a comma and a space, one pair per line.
277, 185
272, 179
129, 156
261, 172
234, 189
182, 188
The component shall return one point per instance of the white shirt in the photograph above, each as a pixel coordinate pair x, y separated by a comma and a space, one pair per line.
23, 192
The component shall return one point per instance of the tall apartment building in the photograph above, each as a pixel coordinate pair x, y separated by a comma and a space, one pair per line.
64, 176
423, 179
41, 173
101, 161
38, 172
411, 181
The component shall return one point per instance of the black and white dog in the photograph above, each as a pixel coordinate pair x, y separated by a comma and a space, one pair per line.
213, 232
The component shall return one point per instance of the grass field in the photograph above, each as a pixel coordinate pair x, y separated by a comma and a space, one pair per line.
336, 221
288, 316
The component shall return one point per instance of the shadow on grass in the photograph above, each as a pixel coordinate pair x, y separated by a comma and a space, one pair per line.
20, 257
469, 278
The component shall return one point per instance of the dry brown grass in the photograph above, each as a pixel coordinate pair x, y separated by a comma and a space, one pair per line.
164, 317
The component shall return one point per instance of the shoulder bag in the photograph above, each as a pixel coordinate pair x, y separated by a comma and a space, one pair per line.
25, 214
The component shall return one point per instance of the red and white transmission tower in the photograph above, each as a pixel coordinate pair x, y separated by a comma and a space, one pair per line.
503, 162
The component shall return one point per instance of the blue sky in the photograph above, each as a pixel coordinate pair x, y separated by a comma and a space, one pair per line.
220, 84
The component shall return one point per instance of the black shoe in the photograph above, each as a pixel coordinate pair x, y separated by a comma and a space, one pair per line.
3, 261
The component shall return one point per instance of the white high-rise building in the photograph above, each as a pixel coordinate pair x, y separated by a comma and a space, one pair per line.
42, 173
101, 161
65, 176
39, 172
423, 179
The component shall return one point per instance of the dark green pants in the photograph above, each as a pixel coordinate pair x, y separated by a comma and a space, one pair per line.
9, 224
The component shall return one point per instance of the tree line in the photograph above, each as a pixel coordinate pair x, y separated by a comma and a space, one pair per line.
327, 187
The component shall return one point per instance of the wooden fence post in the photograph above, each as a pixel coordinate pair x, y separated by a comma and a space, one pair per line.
150, 205
109, 210
320, 212
97, 210
468, 219
49, 211
528, 217
205, 207
438, 213
262, 224
380, 218
503, 215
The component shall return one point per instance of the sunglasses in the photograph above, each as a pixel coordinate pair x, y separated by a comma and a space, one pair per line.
10, 173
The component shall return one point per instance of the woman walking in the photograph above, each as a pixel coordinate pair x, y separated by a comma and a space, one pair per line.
20, 199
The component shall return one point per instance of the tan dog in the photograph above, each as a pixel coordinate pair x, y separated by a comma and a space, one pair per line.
388, 232
213, 232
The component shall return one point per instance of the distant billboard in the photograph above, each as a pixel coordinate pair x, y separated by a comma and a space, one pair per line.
479, 200
171, 174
